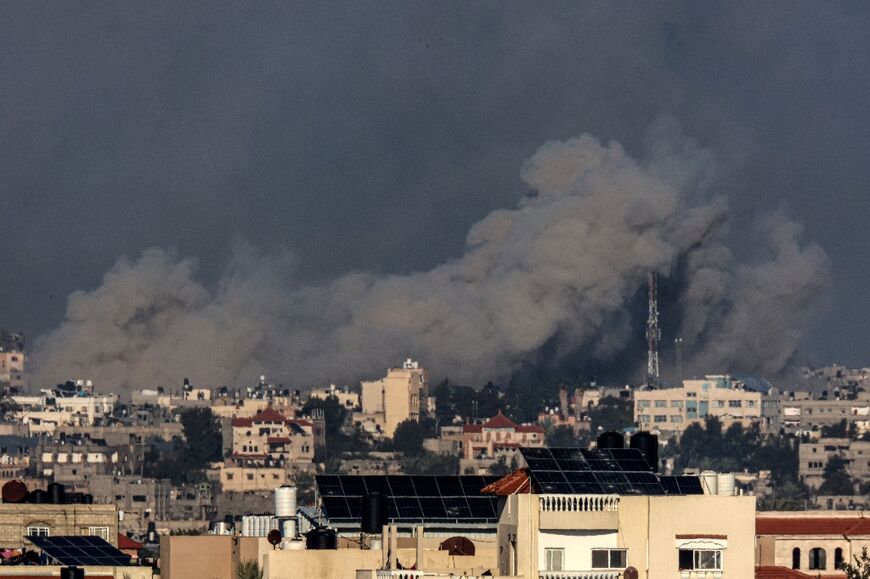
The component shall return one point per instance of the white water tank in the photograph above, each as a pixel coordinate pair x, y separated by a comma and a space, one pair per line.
285, 501
725, 482
709, 482
247, 526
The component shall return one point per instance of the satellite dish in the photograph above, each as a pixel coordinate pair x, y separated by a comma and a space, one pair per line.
274, 537
629, 573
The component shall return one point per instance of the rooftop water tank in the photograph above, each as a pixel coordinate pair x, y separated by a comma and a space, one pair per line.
725, 482
374, 513
611, 440
709, 482
285, 501
648, 445
321, 538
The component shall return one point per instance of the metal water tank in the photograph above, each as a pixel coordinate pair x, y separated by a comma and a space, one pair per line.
321, 538
374, 513
611, 440
648, 445
38, 497
288, 528
56, 494
285, 501
709, 482
725, 482
14, 491
247, 526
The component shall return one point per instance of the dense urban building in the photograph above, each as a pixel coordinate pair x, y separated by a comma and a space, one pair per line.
399, 396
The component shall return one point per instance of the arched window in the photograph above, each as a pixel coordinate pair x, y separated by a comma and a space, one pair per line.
796, 558
838, 558
817, 558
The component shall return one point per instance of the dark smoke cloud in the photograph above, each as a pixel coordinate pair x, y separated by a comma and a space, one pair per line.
566, 263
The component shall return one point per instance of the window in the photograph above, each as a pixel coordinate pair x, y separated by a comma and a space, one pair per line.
661, 403
719, 404
229, 476
817, 558
609, 558
250, 476
101, 532
661, 418
735, 403
555, 559
643, 403
140, 499
676, 419
701, 559
796, 558
676, 403
838, 558
37, 531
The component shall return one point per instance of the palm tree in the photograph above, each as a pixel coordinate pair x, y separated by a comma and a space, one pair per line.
249, 570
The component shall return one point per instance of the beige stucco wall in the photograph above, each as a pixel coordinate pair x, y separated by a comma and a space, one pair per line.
332, 564
95, 572
60, 519
197, 557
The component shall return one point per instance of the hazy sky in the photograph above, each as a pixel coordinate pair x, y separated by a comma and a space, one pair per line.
371, 136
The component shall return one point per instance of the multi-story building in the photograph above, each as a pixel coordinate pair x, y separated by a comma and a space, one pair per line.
18, 520
271, 439
391, 400
77, 460
815, 455
815, 543
497, 435
140, 500
671, 410
69, 404
348, 399
243, 479
805, 412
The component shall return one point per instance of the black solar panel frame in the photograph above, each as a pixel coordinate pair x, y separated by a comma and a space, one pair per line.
87, 550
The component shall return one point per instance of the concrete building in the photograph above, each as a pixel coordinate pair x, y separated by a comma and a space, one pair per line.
499, 435
804, 412
348, 399
813, 457
391, 400
671, 410
271, 439
139, 500
816, 543
72, 461
18, 520
70, 404
551, 536
12, 369
240, 479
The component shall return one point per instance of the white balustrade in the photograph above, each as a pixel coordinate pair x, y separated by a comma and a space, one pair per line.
579, 574
578, 503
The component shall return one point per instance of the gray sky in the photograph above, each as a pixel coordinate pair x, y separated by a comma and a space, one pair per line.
371, 136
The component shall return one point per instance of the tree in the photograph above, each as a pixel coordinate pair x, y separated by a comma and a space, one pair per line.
560, 436
249, 570
408, 438
333, 413
430, 463
860, 569
838, 430
305, 488
611, 414
203, 440
836, 479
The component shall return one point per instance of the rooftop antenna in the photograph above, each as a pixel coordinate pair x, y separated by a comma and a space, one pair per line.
678, 352
653, 332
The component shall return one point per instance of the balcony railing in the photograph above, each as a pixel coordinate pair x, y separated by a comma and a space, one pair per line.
403, 574
579, 574
579, 503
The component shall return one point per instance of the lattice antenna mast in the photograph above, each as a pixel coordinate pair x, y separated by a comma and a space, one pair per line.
653, 332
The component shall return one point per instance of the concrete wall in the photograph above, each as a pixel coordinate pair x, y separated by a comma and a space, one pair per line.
60, 519
197, 557
90, 572
333, 564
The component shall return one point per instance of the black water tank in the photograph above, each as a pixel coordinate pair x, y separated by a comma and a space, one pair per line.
648, 445
72, 573
56, 494
611, 440
374, 513
74, 498
88, 499
321, 539
38, 497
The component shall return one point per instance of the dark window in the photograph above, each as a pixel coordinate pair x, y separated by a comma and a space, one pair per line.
817, 558
796, 558
838, 558
140, 498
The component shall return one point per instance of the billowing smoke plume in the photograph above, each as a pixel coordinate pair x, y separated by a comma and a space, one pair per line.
563, 267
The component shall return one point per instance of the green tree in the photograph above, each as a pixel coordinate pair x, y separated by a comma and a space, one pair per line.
408, 438
249, 570
838, 430
860, 568
203, 440
611, 414
560, 436
836, 479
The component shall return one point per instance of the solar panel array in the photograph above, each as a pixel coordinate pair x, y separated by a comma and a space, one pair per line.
81, 551
410, 498
621, 471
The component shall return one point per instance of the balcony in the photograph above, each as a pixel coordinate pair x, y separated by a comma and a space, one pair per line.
405, 574
579, 574
579, 512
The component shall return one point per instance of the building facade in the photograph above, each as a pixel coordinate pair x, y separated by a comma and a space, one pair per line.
399, 396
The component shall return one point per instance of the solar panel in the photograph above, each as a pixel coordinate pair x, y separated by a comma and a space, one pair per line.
621, 471
410, 498
670, 485
81, 551
690, 485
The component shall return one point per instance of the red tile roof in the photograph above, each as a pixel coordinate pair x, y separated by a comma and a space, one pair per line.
125, 542
269, 415
517, 482
242, 422
813, 526
500, 421
774, 572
